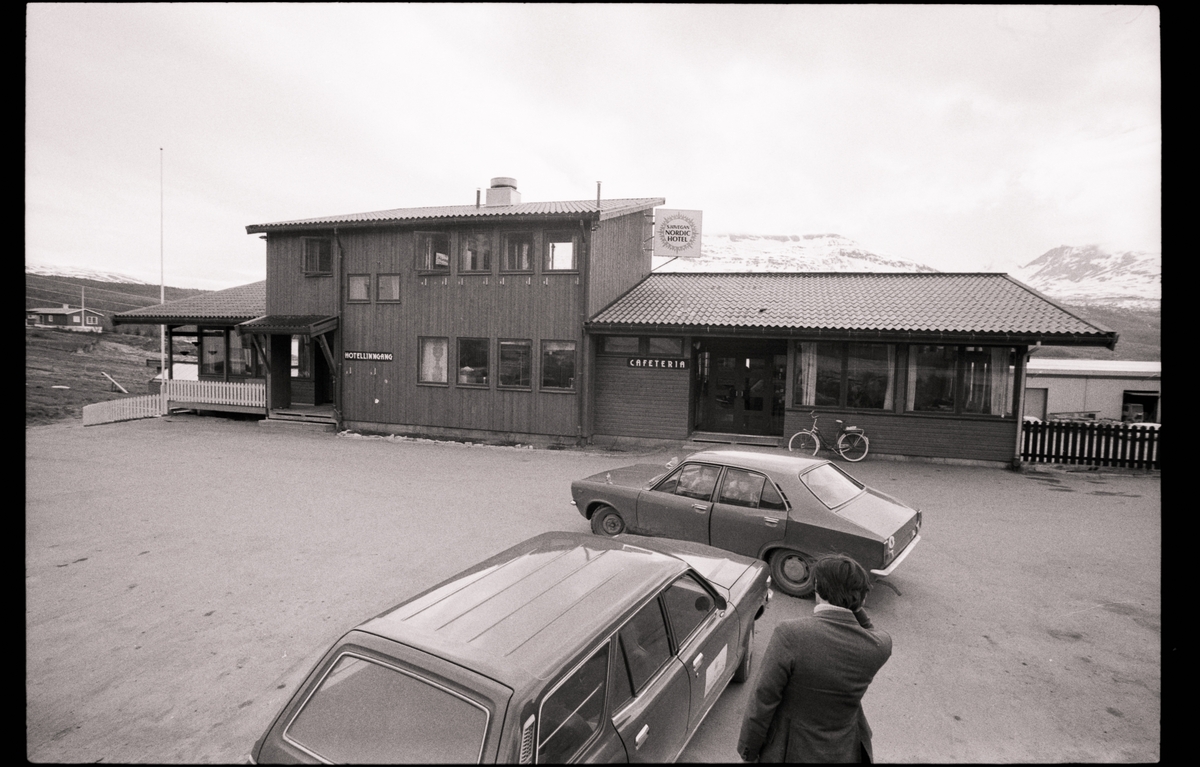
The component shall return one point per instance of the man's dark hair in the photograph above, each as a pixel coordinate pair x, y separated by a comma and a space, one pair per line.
841, 581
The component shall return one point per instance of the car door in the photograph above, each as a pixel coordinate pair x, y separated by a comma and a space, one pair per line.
749, 512
679, 505
650, 688
705, 641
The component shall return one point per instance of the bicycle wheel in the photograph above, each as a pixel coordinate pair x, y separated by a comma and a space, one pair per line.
853, 447
804, 442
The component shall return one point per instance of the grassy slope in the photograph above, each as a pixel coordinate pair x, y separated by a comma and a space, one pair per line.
1140, 335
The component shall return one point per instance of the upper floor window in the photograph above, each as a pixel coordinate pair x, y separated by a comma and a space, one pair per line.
433, 252
476, 252
318, 255
358, 288
388, 288
518, 252
560, 251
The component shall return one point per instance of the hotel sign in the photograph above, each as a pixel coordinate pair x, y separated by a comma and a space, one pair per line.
369, 356
657, 362
677, 233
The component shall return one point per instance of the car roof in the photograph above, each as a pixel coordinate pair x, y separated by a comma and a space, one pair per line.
530, 609
785, 463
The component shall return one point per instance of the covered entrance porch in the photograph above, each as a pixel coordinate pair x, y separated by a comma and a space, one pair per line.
302, 384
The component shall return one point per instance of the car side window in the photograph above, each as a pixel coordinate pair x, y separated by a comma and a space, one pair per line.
571, 713
742, 488
693, 480
644, 644
772, 498
687, 604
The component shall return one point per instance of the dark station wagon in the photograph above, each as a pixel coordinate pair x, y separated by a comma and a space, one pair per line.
782, 508
565, 648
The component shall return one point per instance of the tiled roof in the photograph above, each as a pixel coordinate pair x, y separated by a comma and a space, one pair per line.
241, 303
885, 303
608, 209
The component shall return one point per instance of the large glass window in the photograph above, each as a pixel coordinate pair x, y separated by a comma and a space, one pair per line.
318, 256
558, 364
560, 251
243, 360
212, 353
476, 252
961, 379
516, 364
301, 357
840, 374
358, 288
433, 251
366, 712
434, 360
388, 288
473, 361
518, 252
571, 714
931, 374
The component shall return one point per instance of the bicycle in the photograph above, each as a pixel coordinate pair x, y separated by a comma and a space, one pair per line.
850, 443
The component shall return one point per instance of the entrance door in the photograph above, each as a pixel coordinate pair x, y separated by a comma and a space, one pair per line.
742, 388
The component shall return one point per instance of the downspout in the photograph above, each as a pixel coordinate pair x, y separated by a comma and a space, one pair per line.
1019, 404
337, 347
583, 359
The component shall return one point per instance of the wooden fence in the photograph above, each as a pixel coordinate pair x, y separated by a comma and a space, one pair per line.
146, 406
242, 394
1093, 444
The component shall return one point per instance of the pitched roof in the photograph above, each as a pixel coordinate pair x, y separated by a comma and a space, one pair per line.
572, 208
240, 303
882, 304
60, 310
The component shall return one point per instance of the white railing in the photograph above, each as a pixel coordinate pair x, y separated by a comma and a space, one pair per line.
244, 394
146, 406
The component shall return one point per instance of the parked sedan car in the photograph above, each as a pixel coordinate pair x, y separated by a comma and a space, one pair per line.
782, 508
565, 648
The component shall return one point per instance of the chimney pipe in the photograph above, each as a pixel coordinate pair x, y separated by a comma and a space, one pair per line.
476, 197
597, 195
503, 191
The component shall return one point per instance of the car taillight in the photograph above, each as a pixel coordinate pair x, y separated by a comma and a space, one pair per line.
527, 732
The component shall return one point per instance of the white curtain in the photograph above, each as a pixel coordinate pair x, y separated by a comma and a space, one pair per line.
433, 360
910, 393
806, 359
1002, 381
888, 395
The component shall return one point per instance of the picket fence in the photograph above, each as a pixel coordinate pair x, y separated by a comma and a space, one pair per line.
1093, 444
146, 406
175, 393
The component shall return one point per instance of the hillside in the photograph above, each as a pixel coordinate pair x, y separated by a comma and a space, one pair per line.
104, 296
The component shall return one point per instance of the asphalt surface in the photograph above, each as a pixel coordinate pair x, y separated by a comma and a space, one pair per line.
183, 574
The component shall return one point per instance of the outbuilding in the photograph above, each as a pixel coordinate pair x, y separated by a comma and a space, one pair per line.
1102, 390
63, 317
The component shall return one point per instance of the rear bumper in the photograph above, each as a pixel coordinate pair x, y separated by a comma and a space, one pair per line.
896, 562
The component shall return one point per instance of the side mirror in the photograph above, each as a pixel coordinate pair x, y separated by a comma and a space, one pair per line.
671, 464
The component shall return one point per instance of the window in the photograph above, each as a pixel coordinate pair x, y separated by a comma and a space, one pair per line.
473, 361
301, 357
571, 714
741, 488
644, 645
961, 379
243, 360
831, 485
317, 256
837, 374
694, 480
518, 252
560, 251
687, 604
75, 318
93, 320
516, 364
619, 344
558, 365
212, 353
433, 252
358, 288
388, 288
433, 360
666, 347
476, 252
367, 712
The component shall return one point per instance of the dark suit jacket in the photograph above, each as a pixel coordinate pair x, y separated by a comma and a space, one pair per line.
807, 702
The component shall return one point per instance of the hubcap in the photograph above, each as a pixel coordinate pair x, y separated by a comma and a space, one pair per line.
611, 524
795, 568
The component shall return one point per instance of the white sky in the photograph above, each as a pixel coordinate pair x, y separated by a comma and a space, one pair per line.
969, 138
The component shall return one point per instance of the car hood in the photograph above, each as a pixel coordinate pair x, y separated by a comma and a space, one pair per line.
877, 512
638, 475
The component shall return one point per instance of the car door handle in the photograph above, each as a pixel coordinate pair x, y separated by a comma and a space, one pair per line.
771, 521
696, 663
641, 736
700, 506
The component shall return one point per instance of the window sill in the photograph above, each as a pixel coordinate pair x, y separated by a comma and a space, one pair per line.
514, 388
434, 384
548, 390
318, 274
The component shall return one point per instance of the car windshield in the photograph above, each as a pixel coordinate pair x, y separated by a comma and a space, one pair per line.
365, 711
831, 485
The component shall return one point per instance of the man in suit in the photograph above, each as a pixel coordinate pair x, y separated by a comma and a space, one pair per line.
807, 702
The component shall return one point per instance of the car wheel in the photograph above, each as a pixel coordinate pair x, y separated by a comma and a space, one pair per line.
607, 521
792, 572
742, 673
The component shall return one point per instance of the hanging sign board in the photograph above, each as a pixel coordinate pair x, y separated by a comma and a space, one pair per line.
677, 233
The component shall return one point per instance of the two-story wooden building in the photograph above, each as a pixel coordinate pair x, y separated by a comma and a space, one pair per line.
507, 320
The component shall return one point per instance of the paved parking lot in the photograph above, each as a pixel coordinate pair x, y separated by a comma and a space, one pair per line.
182, 574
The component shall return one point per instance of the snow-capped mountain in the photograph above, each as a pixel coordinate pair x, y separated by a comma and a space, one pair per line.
786, 253
1089, 275
47, 270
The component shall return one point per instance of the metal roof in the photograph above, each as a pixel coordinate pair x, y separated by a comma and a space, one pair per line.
1131, 368
567, 209
881, 304
532, 607
229, 306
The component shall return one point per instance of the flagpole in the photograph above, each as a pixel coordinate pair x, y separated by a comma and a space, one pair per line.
162, 283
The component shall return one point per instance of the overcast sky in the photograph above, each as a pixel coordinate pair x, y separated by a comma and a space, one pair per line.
968, 138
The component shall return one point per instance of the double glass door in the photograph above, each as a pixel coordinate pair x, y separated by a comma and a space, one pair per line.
741, 388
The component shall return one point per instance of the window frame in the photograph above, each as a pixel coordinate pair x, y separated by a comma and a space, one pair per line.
504, 252
500, 344
959, 386
379, 288
487, 370
470, 236
422, 264
365, 281
445, 361
891, 357
305, 256
574, 366
603, 349
556, 236
604, 647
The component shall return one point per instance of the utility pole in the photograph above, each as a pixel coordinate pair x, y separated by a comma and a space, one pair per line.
162, 283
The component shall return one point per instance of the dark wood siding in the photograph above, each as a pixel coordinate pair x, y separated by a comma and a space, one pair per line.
640, 402
289, 291
977, 439
620, 258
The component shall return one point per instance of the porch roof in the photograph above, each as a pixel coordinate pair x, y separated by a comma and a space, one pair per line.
220, 307
290, 324
917, 306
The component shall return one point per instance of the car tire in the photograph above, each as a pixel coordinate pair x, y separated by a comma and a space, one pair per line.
607, 521
792, 572
745, 667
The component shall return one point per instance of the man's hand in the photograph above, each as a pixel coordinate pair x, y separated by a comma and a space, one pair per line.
860, 615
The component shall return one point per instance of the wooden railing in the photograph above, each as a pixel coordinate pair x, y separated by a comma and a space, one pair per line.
244, 394
146, 406
1093, 444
